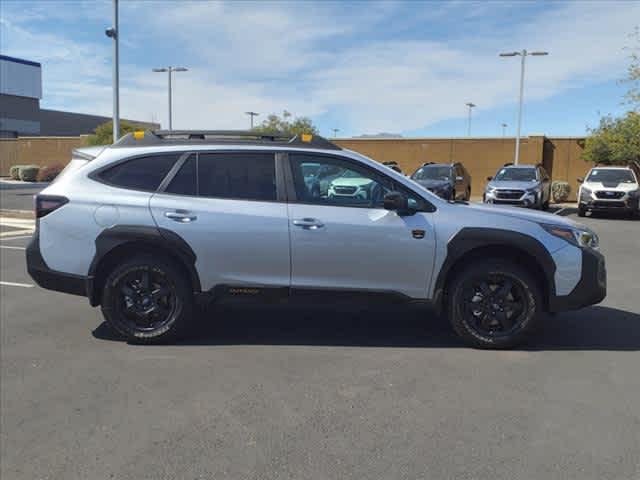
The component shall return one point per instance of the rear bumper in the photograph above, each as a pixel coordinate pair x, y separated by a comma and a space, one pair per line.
591, 289
52, 279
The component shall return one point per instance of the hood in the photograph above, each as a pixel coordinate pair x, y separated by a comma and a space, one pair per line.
433, 183
620, 186
351, 182
524, 214
512, 185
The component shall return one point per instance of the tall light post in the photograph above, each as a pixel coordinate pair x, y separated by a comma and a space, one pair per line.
114, 33
504, 128
335, 132
523, 54
170, 70
470, 105
252, 114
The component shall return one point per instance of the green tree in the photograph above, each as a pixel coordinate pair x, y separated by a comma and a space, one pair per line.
287, 124
632, 97
616, 141
104, 133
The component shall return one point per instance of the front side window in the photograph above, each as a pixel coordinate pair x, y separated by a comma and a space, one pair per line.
331, 181
241, 175
516, 174
144, 173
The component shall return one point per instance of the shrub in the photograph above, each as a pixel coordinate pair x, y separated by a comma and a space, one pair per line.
560, 191
14, 172
29, 173
49, 172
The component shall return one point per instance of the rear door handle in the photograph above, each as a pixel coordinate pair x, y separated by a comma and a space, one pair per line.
308, 223
181, 216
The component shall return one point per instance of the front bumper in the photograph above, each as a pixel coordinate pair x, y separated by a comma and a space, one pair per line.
591, 289
52, 279
527, 199
626, 203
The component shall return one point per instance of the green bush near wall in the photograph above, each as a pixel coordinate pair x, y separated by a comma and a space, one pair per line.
14, 172
29, 173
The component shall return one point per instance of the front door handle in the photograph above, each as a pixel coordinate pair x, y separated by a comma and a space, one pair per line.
181, 216
308, 223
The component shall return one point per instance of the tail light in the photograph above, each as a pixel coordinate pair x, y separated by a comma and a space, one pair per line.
45, 204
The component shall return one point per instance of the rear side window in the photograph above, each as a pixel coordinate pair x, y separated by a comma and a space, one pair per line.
185, 181
144, 173
246, 176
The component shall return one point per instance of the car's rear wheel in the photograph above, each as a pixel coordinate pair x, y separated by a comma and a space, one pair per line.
148, 300
494, 304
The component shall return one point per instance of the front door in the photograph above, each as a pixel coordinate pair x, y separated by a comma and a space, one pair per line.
345, 239
224, 205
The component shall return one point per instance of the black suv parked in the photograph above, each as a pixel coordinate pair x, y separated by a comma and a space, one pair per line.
450, 181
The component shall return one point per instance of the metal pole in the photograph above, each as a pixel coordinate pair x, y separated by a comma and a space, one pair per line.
517, 153
116, 75
170, 123
469, 123
504, 129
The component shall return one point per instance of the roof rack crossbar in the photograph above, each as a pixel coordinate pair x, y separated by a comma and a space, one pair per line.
245, 137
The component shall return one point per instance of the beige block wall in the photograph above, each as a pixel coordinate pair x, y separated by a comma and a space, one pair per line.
37, 151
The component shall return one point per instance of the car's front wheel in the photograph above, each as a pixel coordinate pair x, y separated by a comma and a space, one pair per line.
148, 300
494, 304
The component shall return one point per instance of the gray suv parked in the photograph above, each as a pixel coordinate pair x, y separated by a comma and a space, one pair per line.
521, 185
160, 221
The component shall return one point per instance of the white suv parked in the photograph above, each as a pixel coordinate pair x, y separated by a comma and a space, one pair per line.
607, 189
149, 225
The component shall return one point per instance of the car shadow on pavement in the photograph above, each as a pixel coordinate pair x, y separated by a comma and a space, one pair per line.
593, 328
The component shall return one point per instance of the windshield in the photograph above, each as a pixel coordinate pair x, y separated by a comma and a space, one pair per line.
433, 172
516, 174
610, 176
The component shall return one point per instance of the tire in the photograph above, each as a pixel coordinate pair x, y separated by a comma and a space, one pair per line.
157, 284
516, 316
468, 197
545, 206
581, 211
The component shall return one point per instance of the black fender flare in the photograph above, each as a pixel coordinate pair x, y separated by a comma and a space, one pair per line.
469, 239
161, 238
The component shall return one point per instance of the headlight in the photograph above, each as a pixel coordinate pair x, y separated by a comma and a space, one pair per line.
585, 191
575, 236
533, 189
491, 189
634, 193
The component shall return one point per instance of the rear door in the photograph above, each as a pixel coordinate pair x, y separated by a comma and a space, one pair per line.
225, 205
349, 241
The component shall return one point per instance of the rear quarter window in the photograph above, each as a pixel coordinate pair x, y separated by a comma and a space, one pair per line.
143, 173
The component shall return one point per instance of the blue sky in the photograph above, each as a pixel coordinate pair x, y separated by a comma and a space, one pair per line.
362, 67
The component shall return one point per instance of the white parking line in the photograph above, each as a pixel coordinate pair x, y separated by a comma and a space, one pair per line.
15, 232
17, 222
14, 284
17, 238
11, 247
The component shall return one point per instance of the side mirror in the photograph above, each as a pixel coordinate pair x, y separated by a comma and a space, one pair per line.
580, 179
459, 179
489, 179
396, 202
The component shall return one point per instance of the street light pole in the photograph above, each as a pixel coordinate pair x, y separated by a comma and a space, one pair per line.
523, 54
470, 105
114, 33
252, 114
169, 71
335, 132
504, 129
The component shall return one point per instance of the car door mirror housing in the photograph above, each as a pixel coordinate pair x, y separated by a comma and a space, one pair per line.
459, 179
489, 179
580, 179
397, 202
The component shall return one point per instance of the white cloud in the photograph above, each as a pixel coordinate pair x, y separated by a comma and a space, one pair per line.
364, 64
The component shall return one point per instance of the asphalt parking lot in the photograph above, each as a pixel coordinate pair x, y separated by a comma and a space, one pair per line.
314, 393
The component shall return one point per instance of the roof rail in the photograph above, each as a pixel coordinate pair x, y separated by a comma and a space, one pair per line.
217, 137
508, 164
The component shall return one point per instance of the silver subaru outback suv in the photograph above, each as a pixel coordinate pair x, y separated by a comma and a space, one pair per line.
161, 222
